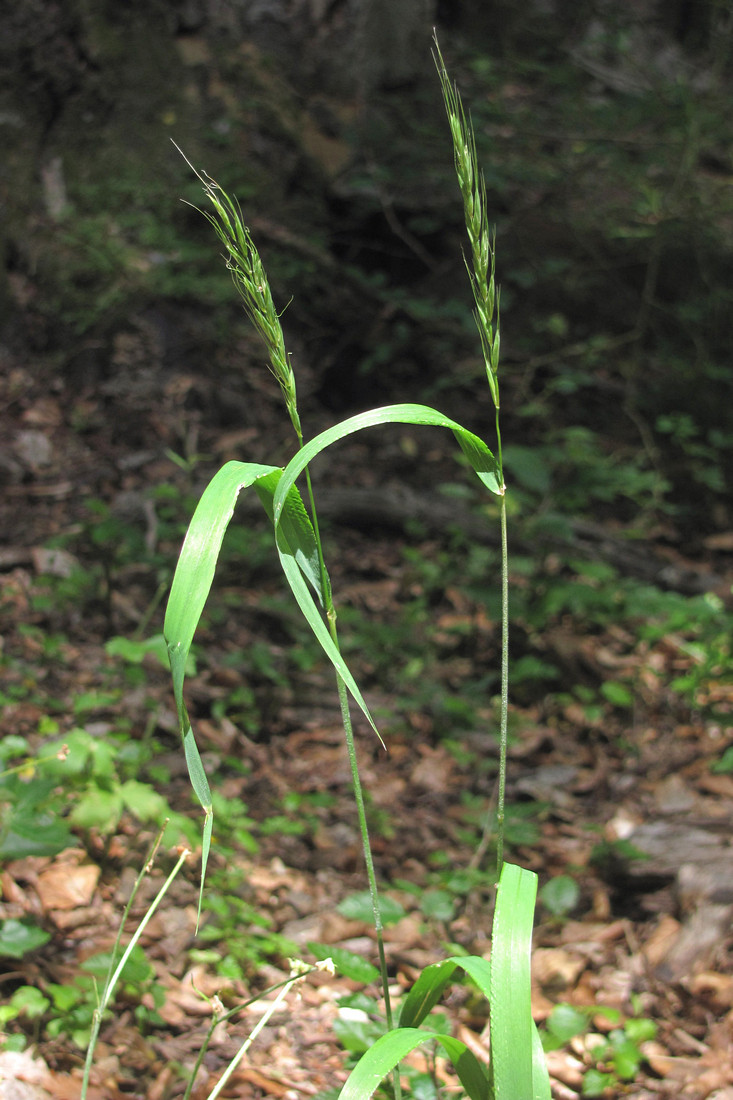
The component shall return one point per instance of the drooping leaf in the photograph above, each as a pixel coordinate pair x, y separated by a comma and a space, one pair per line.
195, 574
197, 562
430, 985
426, 992
478, 454
32, 834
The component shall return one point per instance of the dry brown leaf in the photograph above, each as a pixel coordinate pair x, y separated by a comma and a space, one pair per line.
716, 989
555, 968
434, 771
661, 940
65, 886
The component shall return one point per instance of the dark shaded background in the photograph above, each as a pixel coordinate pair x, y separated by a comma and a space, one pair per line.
604, 132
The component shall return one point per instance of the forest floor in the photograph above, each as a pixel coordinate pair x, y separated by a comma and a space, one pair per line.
649, 938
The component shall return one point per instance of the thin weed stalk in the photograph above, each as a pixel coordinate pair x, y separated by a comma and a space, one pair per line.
221, 1016
115, 971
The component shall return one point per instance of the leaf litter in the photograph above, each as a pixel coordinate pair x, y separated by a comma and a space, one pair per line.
629, 804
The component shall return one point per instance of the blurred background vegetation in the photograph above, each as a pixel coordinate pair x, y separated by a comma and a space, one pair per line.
604, 130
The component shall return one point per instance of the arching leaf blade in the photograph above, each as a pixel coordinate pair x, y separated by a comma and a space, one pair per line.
390, 1049
315, 620
192, 584
475, 449
426, 992
197, 561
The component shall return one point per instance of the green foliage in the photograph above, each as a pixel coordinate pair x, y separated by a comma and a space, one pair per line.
359, 907
69, 1009
238, 936
560, 895
75, 784
517, 1063
17, 938
347, 963
615, 1057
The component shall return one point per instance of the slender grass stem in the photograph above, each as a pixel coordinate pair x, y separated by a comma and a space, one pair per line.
481, 270
504, 712
343, 697
222, 1017
365, 843
251, 1038
250, 279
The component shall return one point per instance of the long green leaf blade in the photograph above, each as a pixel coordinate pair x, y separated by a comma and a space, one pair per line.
541, 1087
430, 985
479, 455
512, 1040
315, 621
295, 527
195, 574
197, 561
479, 969
426, 992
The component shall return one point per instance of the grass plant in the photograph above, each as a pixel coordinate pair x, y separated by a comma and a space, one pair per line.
516, 1069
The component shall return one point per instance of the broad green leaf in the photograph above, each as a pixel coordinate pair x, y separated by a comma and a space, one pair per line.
134, 651
143, 800
31, 834
98, 809
478, 454
17, 938
359, 907
390, 1049
560, 894
438, 905
517, 1058
30, 1002
563, 1024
